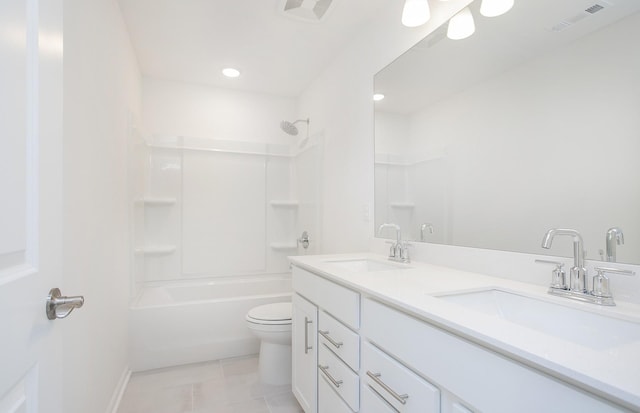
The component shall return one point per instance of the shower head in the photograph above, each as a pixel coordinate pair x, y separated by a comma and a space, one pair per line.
290, 127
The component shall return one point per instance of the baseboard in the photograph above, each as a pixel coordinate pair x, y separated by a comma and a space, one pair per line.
119, 391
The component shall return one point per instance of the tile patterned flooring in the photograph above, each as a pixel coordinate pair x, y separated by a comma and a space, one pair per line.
225, 386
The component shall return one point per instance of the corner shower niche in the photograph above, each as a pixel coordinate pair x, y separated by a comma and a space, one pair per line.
217, 208
412, 193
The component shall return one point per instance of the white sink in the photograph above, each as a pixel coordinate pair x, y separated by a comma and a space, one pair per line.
366, 265
589, 329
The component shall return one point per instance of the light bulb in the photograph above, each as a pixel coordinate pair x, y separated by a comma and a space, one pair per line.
461, 25
415, 13
493, 8
378, 97
230, 72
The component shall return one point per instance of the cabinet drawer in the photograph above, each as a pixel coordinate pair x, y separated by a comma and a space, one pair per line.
342, 341
328, 400
340, 302
345, 382
372, 402
393, 382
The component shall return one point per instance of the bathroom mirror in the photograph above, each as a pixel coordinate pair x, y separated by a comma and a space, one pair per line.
531, 123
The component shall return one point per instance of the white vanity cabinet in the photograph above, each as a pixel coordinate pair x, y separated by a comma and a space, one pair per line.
304, 344
336, 345
483, 380
363, 355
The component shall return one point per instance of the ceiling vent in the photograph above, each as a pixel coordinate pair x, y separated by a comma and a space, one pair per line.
431, 40
589, 11
306, 10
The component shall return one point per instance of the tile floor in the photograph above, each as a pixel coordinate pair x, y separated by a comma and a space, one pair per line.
225, 386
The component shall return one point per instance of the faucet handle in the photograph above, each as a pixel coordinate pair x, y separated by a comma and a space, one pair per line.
404, 250
614, 270
601, 284
558, 275
392, 248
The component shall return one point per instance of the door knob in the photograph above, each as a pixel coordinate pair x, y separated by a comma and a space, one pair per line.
59, 306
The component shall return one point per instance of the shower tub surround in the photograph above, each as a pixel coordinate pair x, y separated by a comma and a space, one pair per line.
193, 321
219, 219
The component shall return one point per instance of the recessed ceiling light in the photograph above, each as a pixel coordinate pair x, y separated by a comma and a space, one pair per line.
378, 97
230, 72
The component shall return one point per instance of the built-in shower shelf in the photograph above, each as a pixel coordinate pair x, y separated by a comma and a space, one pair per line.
158, 201
156, 250
284, 204
279, 246
402, 205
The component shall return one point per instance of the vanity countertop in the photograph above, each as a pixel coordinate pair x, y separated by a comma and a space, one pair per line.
613, 373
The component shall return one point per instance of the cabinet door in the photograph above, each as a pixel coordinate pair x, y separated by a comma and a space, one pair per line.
304, 346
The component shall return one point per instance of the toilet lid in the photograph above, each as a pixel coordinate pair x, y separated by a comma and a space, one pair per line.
271, 312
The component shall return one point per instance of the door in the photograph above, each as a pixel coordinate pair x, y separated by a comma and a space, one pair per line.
30, 203
304, 345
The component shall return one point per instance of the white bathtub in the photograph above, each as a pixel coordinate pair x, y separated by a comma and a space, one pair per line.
188, 322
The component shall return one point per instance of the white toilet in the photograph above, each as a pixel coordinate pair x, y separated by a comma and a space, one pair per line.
271, 323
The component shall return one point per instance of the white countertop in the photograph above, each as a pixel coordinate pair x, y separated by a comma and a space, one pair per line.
613, 373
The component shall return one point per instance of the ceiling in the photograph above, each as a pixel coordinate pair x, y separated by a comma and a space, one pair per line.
193, 40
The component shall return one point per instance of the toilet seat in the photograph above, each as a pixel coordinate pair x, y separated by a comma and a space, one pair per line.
270, 314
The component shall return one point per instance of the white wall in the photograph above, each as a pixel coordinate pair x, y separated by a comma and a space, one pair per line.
101, 89
194, 110
339, 103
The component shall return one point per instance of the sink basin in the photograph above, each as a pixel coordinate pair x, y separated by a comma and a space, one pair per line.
589, 329
365, 265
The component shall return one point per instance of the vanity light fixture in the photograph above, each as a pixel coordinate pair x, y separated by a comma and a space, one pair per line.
377, 97
493, 8
415, 13
230, 72
461, 25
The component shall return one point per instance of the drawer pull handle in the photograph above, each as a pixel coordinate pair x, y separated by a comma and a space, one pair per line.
325, 369
307, 347
326, 335
402, 398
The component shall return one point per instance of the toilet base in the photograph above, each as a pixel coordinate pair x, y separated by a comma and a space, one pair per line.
275, 363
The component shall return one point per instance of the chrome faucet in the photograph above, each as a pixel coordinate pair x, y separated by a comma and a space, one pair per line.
399, 250
577, 273
423, 228
577, 288
614, 236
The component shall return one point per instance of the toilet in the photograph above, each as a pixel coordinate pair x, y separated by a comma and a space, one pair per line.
271, 323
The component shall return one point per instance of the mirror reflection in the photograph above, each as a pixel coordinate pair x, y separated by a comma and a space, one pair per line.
530, 123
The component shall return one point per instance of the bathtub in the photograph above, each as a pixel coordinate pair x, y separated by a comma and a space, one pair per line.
193, 321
